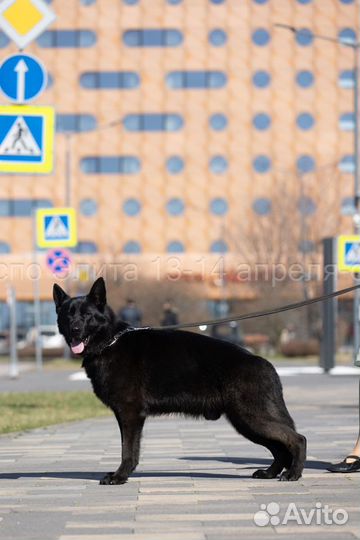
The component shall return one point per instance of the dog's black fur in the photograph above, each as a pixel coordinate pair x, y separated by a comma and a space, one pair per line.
151, 372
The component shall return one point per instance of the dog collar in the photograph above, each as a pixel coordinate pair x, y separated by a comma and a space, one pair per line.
125, 331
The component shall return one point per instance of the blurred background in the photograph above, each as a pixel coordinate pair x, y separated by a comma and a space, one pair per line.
207, 152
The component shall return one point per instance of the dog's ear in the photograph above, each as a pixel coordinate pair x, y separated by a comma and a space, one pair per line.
97, 294
59, 296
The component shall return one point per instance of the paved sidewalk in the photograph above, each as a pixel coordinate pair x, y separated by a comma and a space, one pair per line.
193, 482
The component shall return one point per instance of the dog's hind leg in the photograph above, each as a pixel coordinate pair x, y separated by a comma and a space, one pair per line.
130, 425
271, 433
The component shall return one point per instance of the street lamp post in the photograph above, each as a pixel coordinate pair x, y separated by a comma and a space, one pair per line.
355, 46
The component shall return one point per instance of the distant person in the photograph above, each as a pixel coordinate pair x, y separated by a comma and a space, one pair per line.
170, 314
130, 313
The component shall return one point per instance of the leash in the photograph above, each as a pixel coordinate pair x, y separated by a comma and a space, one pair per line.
257, 314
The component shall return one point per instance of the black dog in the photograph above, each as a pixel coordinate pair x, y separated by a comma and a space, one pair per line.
143, 372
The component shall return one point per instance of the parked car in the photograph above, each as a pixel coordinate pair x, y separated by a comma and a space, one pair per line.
52, 341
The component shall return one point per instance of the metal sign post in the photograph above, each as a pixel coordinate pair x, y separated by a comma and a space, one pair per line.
14, 366
37, 314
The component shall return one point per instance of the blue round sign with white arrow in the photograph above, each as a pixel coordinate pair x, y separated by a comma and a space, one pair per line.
22, 78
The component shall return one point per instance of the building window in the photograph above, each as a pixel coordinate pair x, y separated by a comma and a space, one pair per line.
175, 165
88, 207
304, 37
50, 81
348, 206
153, 122
196, 79
218, 121
174, 2
261, 37
175, 247
85, 246
87, 2
306, 206
261, 1
305, 79
347, 36
110, 79
153, 37
219, 246
218, 164
347, 1
4, 247
262, 164
132, 248
219, 206
66, 123
131, 2
306, 246
305, 121
110, 165
346, 79
262, 206
132, 207
217, 1
304, 1
261, 79
217, 37
4, 40
347, 121
67, 38
261, 121
347, 164
305, 164
22, 207
175, 207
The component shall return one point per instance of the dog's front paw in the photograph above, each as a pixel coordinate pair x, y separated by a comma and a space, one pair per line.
262, 473
112, 479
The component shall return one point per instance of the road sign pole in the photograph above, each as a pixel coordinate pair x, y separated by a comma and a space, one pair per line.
356, 315
14, 366
37, 315
329, 307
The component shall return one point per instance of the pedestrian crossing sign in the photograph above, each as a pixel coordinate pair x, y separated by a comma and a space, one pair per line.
56, 227
349, 253
26, 139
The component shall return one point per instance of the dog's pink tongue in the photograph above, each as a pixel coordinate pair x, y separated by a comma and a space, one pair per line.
78, 349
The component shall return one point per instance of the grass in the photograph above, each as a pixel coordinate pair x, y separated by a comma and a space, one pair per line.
22, 411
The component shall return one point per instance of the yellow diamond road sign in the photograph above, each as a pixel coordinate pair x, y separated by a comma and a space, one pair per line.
24, 20
56, 227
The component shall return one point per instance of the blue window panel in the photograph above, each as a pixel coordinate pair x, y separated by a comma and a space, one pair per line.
261, 37
261, 79
262, 164
219, 246
85, 246
305, 121
261, 1
347, 36
132, 207
22, 207
153, 37
261, 121
5, 247
217, 37
305, 79
347, 1
87, 2
131, 2
175, 206
305, 164
219, 206
110, 79
153, 122
218, 164
88, 207
110, 165
175, 165
347, 164
217, 1
304, 2
218, 121
306, 246
304, 37
72, 123
196, 79
4, 40
175, 247
347, 121
348, 206
50, 81
174, 2
346, 79
262, 206
67, 38
306, 206
132, 248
